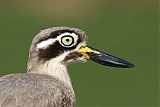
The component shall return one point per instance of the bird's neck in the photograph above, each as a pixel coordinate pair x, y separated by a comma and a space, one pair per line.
54, 69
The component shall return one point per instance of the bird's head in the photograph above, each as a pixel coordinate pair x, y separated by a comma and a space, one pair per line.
65, 45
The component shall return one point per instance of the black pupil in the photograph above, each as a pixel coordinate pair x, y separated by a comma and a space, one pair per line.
67, 40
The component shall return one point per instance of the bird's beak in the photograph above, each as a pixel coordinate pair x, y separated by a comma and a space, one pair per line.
104, 58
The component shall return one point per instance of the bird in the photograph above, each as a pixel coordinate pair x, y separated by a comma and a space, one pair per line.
46, 82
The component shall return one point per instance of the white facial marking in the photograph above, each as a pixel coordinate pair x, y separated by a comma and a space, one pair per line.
46, 43
59, 59
81, 59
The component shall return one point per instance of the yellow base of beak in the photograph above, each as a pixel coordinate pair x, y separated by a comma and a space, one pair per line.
85, 50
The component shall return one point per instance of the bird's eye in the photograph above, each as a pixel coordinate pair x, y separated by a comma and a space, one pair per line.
67, 40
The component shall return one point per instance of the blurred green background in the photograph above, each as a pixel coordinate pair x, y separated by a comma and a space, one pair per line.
125, 28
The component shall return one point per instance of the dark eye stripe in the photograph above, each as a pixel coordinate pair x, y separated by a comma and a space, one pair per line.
54, 50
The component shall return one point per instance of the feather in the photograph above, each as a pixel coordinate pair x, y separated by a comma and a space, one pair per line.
34, 90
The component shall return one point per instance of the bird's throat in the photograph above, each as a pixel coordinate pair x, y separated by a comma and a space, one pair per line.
54, 69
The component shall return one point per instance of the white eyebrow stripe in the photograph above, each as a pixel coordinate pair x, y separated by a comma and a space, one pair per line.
46, 43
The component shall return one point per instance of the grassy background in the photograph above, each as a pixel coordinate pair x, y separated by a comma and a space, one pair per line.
125, 28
